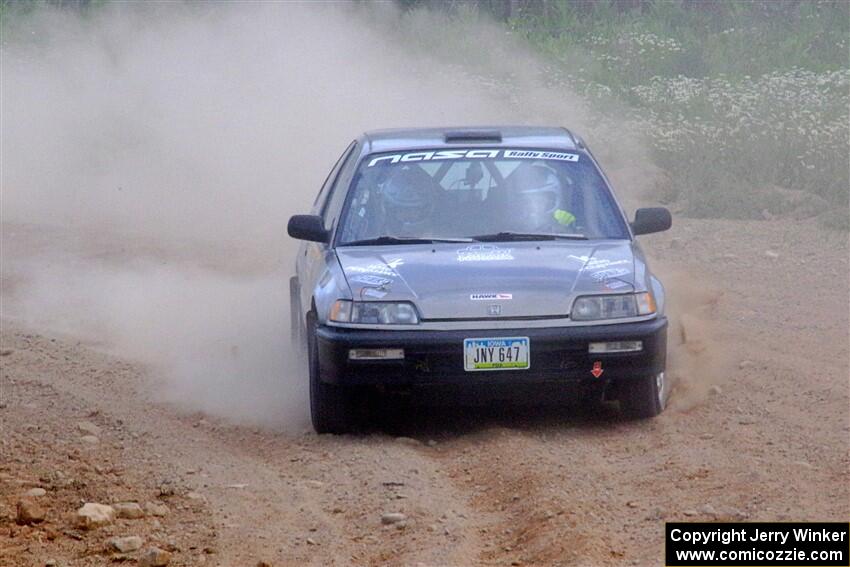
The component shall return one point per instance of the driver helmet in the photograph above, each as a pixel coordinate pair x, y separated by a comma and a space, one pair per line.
408, 201
538, 195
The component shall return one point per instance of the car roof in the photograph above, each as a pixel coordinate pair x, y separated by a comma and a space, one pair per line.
451, 137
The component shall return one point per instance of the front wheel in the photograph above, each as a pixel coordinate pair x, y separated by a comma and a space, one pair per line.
644, 397
331, 406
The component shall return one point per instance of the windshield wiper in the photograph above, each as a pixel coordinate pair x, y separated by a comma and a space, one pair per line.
387, 239
507, 236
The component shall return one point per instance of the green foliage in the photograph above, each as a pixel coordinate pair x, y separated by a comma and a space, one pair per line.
12, 9
734, 37
733, 96
15, 12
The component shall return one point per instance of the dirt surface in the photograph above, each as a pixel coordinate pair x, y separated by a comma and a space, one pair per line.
757, 430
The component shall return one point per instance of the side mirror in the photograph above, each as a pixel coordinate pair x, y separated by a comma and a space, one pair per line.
308, 227
653, 219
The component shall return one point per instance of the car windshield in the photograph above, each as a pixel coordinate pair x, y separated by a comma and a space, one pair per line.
481, 194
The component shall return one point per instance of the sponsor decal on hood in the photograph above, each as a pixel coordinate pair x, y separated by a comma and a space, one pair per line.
387, 269
484, 253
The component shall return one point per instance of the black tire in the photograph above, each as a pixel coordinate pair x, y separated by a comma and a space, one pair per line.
331, 406
643, 397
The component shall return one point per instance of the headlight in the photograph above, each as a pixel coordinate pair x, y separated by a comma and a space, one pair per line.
374, 312
596, 307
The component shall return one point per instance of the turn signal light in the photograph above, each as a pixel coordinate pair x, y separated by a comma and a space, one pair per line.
376, 354
615, 346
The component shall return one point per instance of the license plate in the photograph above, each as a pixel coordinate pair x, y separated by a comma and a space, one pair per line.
504, 353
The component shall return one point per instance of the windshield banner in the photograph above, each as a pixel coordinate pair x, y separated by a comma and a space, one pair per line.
438, 155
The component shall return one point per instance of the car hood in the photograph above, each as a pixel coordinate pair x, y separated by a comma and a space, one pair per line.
484, 280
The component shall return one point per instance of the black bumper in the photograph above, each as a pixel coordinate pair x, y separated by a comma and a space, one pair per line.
436, 357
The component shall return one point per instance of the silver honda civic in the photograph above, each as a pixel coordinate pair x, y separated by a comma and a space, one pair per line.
475, 260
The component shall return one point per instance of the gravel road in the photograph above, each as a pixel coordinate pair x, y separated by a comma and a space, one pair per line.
757, 430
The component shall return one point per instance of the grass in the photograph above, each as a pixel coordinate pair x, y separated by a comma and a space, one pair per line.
740, 101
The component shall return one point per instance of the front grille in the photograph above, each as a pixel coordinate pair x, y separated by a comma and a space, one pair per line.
512, 318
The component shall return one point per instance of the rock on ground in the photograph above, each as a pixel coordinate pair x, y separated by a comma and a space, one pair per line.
708, 510
93, 515
125, 544
156, 509
392, 518
29, 512
128, 511
88, 428
154, 557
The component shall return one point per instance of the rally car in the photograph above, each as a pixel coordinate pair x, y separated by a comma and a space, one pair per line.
475, 258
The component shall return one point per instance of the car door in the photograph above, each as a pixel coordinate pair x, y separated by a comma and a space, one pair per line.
310, 263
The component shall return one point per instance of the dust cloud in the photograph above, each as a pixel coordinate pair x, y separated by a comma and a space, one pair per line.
152, 154
697, 361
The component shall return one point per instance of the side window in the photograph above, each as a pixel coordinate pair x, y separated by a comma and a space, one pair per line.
321, 199
337, 194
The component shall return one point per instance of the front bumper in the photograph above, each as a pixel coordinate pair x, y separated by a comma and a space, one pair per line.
558, 354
